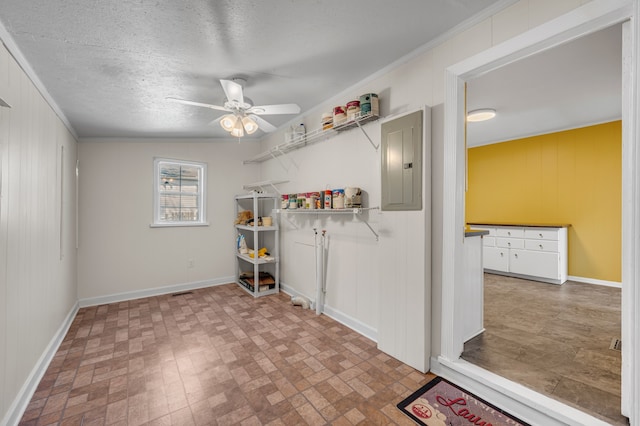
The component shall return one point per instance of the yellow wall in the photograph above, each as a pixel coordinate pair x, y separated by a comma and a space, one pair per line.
572, 177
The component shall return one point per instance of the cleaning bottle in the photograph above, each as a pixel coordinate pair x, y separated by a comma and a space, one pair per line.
300, 132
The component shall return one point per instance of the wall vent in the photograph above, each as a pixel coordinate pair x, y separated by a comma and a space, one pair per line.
181, 294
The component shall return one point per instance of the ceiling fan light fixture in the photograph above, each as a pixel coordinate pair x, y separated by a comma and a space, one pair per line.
237, 133
483, 114
241, 116
238, 130
228, 122
250, 126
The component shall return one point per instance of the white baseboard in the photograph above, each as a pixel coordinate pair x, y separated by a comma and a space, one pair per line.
354, 324
20, 403
594, 281
139, 294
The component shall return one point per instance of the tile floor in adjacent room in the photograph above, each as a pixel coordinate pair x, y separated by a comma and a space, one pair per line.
554, 339
217, 356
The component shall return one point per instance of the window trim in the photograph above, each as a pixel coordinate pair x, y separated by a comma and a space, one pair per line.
157, 223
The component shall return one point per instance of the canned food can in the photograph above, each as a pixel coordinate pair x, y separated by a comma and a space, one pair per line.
369, 104
338, 198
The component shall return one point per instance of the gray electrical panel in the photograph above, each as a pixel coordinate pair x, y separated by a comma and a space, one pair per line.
402, 163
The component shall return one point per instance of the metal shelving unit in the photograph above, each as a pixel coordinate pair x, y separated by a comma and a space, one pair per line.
261, 204
315, 136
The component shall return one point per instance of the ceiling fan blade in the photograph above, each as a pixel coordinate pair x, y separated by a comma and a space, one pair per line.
275, 109
214, 123
264, 125
186, 102
233, 91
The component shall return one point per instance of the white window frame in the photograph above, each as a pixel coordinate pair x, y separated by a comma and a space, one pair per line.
202, 216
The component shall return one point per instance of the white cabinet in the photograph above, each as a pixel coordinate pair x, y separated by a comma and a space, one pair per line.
259, 276
533, 252
495, 258
472, 316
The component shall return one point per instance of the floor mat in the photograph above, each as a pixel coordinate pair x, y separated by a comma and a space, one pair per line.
442, 403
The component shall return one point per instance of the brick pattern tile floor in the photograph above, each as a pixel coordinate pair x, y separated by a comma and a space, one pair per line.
217, 356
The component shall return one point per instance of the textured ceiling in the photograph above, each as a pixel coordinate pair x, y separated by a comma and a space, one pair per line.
110, 64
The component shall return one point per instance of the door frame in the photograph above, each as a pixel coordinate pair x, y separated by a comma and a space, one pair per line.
534, 407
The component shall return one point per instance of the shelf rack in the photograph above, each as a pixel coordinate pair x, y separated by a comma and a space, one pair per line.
260, 203
264, 184
356, 212
315, 136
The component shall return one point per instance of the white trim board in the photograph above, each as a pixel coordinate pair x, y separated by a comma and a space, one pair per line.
595, 281
16, 54
525, 404
158, 291
547, 132
589, 18
344, 319
20, 403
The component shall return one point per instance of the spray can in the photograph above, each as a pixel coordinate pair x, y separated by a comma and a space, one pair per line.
327, 199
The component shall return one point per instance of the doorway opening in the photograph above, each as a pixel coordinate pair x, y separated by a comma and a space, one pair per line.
588, 19
552, 156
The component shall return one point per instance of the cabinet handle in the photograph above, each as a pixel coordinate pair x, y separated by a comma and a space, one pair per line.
540, 246
509, 233
540, 235
509, 244
515, 255
501, 254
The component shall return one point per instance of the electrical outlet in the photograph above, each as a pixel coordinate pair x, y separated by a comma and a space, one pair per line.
190, 263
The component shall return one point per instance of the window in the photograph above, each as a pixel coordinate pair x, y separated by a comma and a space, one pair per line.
179, 193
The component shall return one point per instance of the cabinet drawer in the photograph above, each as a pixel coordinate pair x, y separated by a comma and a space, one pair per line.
510, 243
495, 258
541, 233
541, 245
488, 241
535, 263
510, 232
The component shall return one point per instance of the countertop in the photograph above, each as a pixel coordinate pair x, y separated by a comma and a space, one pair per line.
538, 225
475, 232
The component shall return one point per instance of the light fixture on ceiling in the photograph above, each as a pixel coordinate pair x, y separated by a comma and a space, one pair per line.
238, 130
241, 116
228, 122
250, 126
237, 125
483, 114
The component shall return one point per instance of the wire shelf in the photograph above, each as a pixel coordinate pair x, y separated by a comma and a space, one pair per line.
314, 136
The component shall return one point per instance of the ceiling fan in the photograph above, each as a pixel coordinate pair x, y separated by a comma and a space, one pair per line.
242, 115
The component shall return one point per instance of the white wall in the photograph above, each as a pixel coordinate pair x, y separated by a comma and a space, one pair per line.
358, 265
38, 288
344, 160
119, 255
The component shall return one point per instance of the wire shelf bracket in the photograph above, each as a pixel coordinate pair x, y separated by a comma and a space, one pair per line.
271, 184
